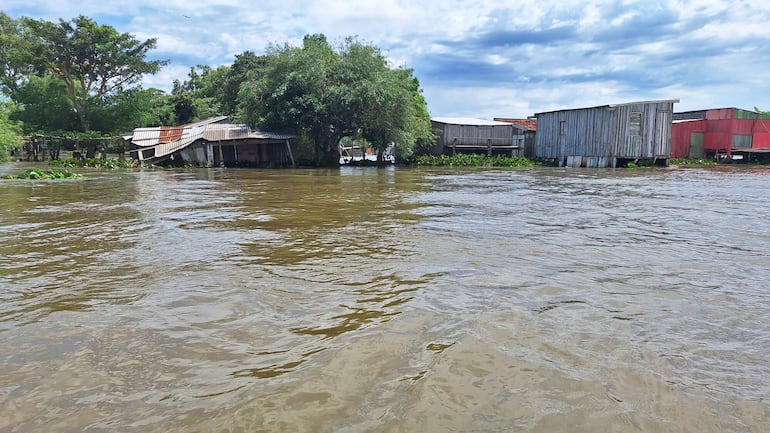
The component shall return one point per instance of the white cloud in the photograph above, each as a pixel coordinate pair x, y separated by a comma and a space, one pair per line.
479, 58
164, 79
496, 59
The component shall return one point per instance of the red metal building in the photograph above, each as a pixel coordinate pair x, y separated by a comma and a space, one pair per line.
722, 132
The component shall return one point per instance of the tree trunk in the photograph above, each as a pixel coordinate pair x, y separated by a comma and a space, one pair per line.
328, 153
90, 149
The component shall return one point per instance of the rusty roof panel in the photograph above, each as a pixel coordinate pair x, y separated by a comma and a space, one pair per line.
170, 133
527, 124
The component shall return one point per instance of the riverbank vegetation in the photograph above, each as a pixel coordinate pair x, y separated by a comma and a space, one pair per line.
60, 79
691, 161
105, 163
469, 160
10, 132
74, 76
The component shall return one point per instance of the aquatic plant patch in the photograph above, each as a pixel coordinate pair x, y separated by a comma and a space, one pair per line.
34, 173
471, 160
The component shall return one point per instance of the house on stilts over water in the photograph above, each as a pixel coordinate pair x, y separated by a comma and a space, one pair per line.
212, 142
469, 135
606, 136
721, 133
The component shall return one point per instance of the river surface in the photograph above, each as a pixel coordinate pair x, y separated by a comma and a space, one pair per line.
386, 300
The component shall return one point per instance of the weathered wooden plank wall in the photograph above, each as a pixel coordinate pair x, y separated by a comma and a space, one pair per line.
472, 135
635, 130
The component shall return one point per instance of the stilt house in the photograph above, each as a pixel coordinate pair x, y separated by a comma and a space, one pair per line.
524, 134
211, 142
606, 136
721, 133
467, 135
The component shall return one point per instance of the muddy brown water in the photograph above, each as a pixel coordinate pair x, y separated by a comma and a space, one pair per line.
386, 300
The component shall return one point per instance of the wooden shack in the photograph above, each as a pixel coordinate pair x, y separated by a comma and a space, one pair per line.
212, 142
468, 135
524, 134
607, 135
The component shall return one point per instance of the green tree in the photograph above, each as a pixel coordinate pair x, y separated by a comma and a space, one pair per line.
10, 132
42, 104
419, 129
15, 66
93, 61
246, 65
329, 94
198, 97
293, 94
132, 108
386, 104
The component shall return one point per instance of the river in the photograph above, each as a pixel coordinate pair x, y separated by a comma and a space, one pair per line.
386, 300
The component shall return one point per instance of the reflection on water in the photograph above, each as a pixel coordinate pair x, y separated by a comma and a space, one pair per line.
367, 299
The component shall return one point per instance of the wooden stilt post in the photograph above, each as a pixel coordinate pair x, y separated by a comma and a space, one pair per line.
288, 149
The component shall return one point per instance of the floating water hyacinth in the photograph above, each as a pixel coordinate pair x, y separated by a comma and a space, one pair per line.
34, 173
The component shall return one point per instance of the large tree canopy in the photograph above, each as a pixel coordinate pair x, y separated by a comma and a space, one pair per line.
246, 65
385, 104
14, 54
45, 105
329, 94
95, 62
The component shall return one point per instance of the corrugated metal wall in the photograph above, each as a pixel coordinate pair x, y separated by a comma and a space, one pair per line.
723, 129
681, 136
606, 132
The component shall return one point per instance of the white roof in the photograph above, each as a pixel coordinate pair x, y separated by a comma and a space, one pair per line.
468, 121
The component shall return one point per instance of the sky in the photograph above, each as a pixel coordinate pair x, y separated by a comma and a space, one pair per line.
478, 58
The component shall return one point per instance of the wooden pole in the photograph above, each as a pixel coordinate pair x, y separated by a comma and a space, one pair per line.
288, 149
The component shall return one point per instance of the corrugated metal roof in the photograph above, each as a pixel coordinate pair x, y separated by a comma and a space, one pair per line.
661, 101
228, 131
467, 121
167, 140
527, 124
222, 132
